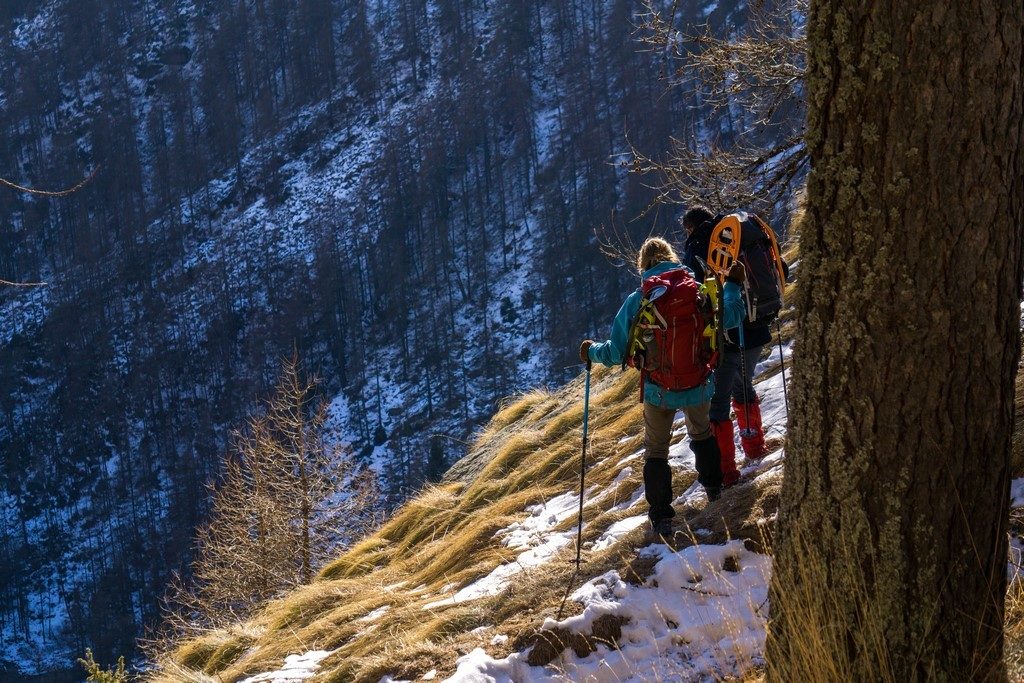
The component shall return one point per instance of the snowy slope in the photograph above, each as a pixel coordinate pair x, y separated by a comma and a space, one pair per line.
695, 614
189, 340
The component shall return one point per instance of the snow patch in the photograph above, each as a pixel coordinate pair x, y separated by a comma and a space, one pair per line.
375, 614
295, 668
1017, 493
543, 517
616, 531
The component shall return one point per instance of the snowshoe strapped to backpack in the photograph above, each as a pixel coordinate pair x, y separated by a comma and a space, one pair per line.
748, 239
667, 342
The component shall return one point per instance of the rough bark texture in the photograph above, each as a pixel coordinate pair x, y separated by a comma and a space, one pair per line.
897, 476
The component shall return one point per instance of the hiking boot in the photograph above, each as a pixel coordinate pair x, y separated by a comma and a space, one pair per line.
748, 417
658, 488
722, 430
662, 529
708, 461
714, 493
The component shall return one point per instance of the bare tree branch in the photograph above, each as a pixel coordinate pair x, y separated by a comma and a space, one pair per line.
52, 193
22, 284
752, 79
44, 193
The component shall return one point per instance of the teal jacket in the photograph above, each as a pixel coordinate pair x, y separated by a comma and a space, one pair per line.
610, 352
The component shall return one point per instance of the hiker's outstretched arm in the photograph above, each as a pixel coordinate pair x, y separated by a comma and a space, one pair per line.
733, 309
610, 352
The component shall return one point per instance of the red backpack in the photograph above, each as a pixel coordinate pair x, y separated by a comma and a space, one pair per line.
666, 341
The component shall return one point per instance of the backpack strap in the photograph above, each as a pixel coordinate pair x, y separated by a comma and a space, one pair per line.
775, 251
631, 335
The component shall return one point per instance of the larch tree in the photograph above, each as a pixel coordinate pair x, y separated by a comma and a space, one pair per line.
891, 543
289, 496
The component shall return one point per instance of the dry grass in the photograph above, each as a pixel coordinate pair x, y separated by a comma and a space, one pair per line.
1014, 653
516, 408
812, 621
1017, 458
741, 513
444, 539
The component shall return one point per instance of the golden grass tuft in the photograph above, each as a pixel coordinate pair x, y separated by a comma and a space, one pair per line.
194, 654
1014, 630
511, 453
516, 408
408, 662
813, 622
305, 604
171, 671
358, 560
228, 653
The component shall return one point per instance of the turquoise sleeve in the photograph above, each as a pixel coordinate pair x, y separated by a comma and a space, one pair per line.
733, 310
610, 352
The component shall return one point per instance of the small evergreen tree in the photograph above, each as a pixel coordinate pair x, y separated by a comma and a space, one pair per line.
100, 675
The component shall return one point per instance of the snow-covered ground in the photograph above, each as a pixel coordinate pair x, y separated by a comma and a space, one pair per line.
691, 620
295, 668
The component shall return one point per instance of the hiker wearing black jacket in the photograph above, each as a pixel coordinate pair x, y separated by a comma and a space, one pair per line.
729, 380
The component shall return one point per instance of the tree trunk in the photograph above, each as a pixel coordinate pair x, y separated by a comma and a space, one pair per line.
891, 543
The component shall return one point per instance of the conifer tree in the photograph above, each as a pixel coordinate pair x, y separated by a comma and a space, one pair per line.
286, 499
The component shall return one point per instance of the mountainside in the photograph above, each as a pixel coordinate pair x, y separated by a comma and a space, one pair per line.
473, 579
466, 581
403, 191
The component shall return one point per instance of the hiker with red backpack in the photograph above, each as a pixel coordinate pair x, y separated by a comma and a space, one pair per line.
660, 329
766, 273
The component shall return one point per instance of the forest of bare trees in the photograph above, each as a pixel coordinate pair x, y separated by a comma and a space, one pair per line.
489, 131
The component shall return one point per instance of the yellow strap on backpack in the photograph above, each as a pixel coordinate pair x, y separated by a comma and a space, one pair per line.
646, 319
776, 253
711, 290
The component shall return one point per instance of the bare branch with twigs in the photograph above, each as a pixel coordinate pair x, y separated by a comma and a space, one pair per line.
51, 193
753, 75
43, 193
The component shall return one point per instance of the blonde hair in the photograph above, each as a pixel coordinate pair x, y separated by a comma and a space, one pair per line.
654, 251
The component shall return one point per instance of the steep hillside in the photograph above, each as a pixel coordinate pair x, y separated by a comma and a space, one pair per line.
404, 191
473, 580
468, 577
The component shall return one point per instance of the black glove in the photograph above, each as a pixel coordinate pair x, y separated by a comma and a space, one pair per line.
584, 351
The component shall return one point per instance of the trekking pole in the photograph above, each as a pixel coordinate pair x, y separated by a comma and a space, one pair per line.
583, 471
782, 364
583, 463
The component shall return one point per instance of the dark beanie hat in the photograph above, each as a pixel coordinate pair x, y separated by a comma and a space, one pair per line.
696, 216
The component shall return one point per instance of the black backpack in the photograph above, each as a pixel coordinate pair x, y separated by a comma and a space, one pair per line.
758, 250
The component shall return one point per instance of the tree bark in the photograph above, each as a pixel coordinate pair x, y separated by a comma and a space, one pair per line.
892, 532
